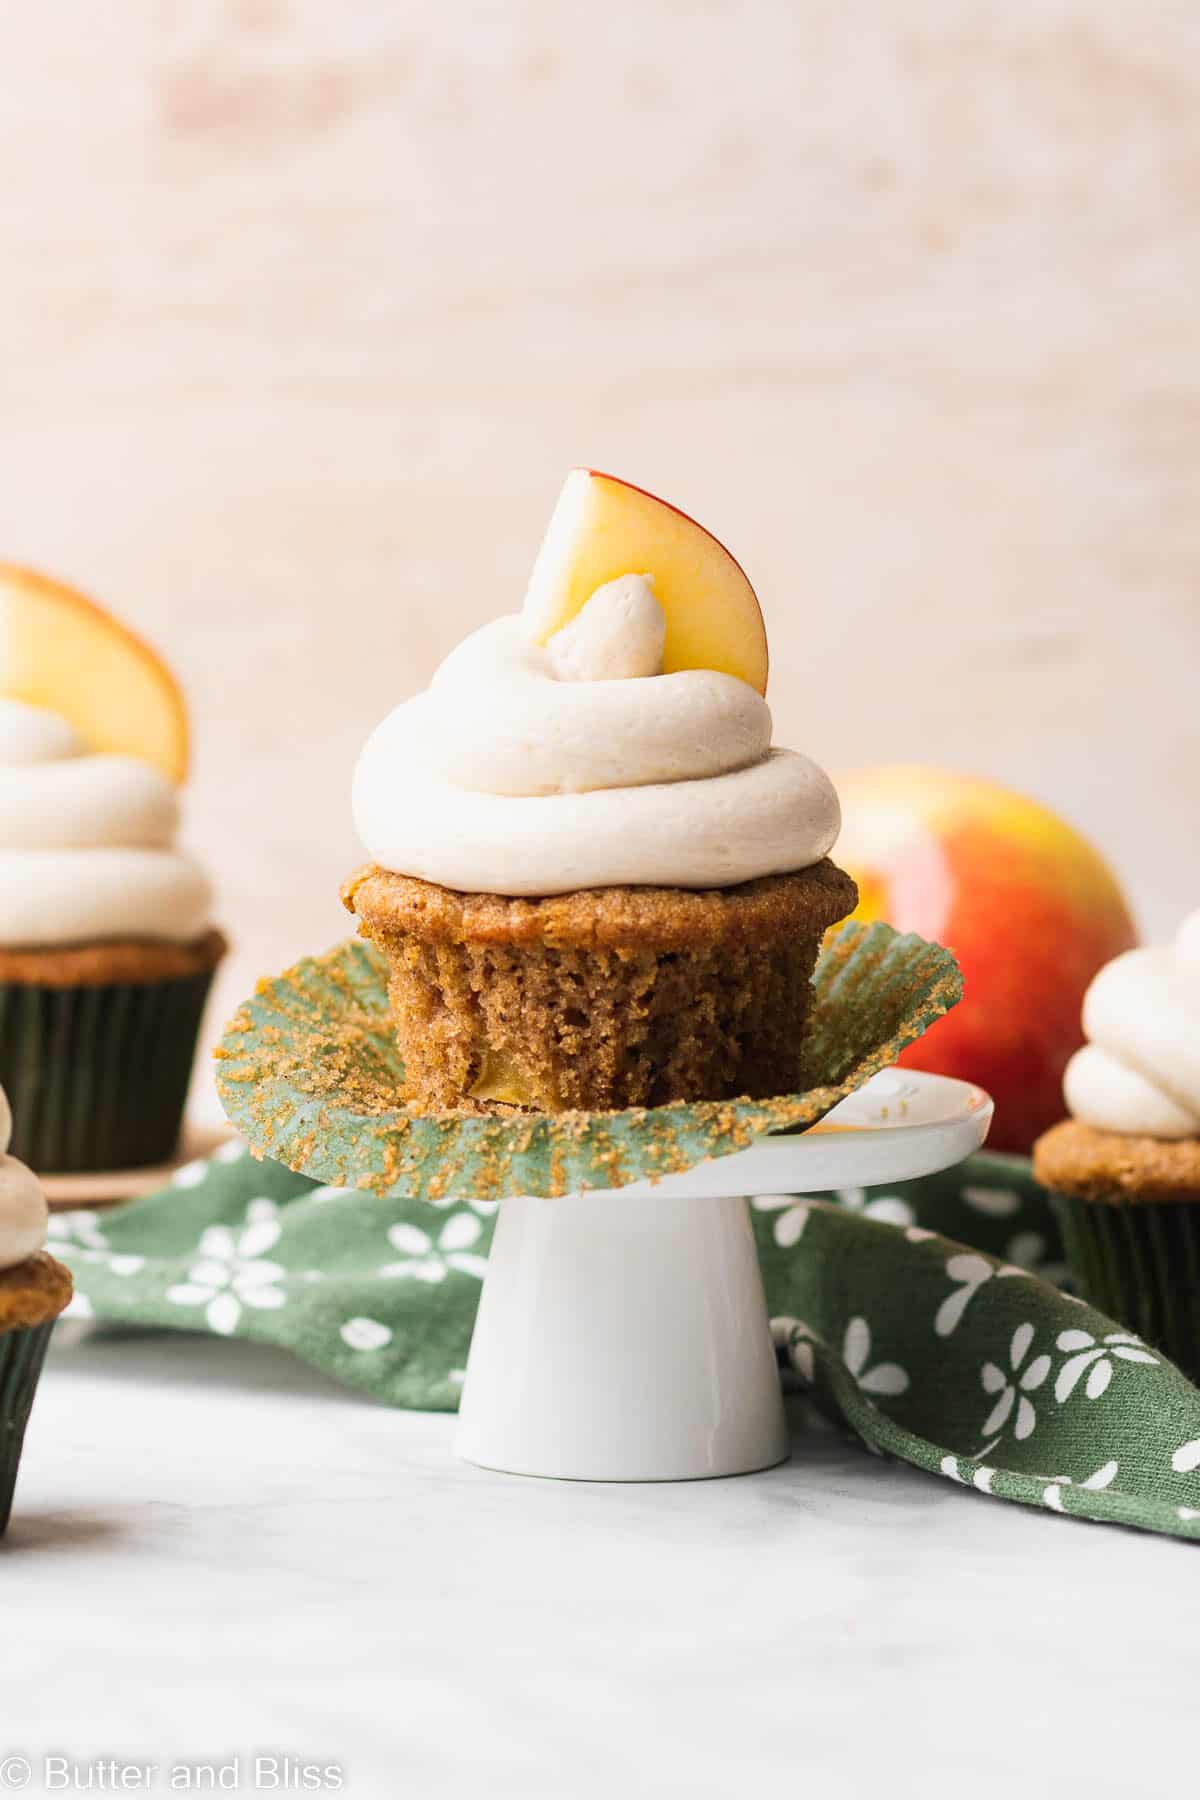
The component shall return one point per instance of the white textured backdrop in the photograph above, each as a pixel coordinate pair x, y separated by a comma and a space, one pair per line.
306, 308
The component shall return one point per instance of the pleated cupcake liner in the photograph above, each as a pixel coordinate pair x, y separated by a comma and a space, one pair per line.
310, 1073
97, 1076
22, 1354
1140, 1263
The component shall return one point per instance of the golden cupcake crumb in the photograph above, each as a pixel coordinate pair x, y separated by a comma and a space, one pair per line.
1109, 1166
123, 961
601, 999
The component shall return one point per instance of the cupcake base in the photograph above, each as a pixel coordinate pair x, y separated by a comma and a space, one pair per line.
1129, 1211
96, 1050
601, 999
1139, 1263
22, 1354
32, 1294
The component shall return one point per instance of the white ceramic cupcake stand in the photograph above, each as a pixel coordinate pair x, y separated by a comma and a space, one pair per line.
623, 1335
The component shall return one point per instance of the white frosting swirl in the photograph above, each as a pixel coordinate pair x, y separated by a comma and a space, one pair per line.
23, 1210
86, 842
529, 771
1139, 1072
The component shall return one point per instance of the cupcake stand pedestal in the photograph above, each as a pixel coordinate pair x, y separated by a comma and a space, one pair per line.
623, 1336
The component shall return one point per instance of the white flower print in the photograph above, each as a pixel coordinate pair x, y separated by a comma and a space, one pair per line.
796, 1338
980, 1476
232, 1273
1096, 1357
1027, 1249
993, 1203
71, 1229
1186, 1458
793, 1216
1012, 1390
365, 1334
969, 1272
430, 1259
889, 1209
191, 1174
78, 1234
1096, 1483
884, 1378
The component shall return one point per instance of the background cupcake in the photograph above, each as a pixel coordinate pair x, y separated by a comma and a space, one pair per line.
1124, 1169
34, 1289
106, 944
596, 883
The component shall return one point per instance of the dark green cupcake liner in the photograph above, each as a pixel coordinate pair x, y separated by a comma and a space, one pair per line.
97, 1077
1140, 1263
22, 1354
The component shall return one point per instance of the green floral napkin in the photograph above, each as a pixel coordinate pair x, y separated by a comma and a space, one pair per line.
965, 1361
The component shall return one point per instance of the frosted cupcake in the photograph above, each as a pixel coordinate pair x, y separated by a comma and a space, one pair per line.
106, 943
596, 883
34, 1289
1124, 1169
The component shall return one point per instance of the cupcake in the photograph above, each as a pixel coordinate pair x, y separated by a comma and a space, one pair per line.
34, 1289
595, 882
106, 945
1124, 1169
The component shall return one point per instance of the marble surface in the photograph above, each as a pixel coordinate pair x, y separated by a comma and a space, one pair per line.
217, 1553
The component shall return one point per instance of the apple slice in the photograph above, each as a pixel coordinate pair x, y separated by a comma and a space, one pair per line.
62, 651
602, 528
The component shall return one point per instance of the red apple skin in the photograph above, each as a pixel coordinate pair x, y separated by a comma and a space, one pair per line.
1028, 906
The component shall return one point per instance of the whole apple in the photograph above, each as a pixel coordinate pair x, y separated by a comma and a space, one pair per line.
1029, 907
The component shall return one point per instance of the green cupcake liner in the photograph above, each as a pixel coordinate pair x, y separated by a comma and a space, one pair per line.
310, 1073
1140, 1263
97, 1076
22, 1354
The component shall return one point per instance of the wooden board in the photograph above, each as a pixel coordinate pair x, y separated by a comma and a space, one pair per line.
108, 1187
